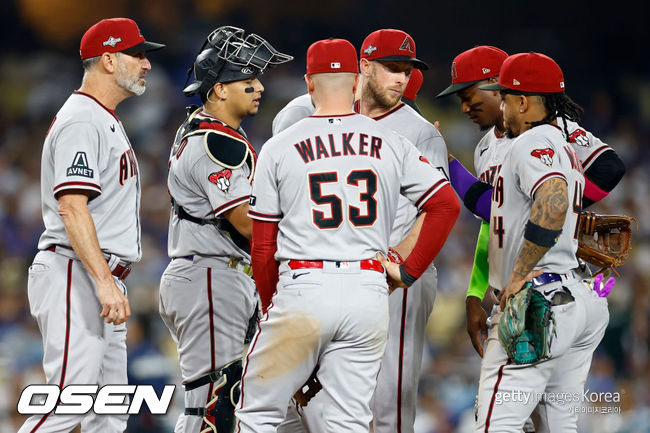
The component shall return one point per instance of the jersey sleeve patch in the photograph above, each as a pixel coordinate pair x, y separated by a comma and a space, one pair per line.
579, 137
79, 166
221, 179
544, 155
225, 149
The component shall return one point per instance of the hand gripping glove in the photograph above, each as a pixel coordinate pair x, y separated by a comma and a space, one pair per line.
604, 240
527, 326
308, 390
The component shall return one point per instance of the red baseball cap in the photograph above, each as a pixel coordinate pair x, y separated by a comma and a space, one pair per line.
332, 55
529, 73
472, 66
390, 45
414, 84
112, 36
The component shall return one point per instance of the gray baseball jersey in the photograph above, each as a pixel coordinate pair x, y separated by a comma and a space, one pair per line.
537, 155
205, 189
87, 149
297, 109
491, 151
393, 404
402, 119
342, 159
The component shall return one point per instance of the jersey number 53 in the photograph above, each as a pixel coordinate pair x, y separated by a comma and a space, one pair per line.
364, 180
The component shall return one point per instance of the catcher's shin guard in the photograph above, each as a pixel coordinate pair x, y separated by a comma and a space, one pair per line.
219, 413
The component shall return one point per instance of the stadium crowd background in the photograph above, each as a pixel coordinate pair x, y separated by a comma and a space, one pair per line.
605, 72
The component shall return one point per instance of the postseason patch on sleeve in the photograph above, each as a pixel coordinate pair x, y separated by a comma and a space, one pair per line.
80, 167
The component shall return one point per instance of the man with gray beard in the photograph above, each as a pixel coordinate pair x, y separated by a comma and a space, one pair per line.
90, 189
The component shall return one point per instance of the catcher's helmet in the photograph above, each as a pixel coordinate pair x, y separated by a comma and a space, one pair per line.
231, 55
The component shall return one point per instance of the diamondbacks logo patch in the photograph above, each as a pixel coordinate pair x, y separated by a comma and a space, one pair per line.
407, 45
79, 166
544, 155
579, 136
221, 179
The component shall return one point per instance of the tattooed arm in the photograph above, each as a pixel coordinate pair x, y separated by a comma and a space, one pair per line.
549, 210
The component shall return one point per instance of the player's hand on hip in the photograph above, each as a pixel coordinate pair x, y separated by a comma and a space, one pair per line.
115, 305
476, 323
392, 273
515, 285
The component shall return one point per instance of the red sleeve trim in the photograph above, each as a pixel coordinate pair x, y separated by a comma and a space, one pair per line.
544, 178
72, 185
442, 210
593, 156
264, 216
430, 191
231, 204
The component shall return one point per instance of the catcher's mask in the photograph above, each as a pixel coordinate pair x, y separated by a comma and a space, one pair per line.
227, 55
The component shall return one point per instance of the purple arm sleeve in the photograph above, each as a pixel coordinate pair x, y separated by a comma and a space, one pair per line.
476, 195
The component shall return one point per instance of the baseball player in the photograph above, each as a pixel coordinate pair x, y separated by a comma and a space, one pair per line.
603, 169
207, 297
535, 205
388, 58
90, 188
324, 198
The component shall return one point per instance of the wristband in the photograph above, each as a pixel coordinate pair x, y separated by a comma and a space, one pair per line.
541, 236
406, 277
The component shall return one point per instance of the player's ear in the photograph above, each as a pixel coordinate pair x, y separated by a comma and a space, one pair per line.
219, 89
109, 62
365, 67
356, 84
523, 103
310, 84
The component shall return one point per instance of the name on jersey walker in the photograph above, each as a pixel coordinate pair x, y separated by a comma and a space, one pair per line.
80, 399
342, 145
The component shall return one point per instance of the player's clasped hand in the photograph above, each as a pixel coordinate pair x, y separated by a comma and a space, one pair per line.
115, 305
392, 273
514, 287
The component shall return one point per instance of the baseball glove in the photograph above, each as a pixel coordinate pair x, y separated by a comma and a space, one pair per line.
604, 240
527, 326
308, 390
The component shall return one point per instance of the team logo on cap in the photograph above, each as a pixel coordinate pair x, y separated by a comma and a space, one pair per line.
370, 50
406, 45
515, 82
247, 70
111, 41
544, 155
485, 71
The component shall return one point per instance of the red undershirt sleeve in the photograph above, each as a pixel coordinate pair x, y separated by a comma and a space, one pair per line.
265, 267
442, 210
